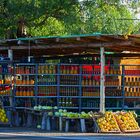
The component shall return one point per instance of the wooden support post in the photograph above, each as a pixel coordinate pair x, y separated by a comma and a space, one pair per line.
8, 113
67, 125
17, 122
29, 120
102, 80
60, 123
10, 54
48, 126
43, 124
83, 125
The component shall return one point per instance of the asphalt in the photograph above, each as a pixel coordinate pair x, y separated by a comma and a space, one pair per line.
7, 133
22, 137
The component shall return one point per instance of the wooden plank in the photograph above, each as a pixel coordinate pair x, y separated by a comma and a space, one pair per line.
81, 45
102, 80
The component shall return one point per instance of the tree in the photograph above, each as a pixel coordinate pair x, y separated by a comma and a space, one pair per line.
107, 17
62, 17
38, 14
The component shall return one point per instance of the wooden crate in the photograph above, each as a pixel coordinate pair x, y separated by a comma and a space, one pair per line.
126, 131
98, 130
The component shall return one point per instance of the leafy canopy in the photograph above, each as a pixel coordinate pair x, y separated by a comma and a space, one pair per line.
62, 17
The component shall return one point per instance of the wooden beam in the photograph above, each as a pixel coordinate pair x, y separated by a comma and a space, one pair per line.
81, 45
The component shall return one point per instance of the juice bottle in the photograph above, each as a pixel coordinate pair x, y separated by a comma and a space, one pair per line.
76, 70
90, 82
138, 91
126, 92
132, 81
128, 81
24, 91
28, 91
17, 91
86, 82
136, 81
53, 70
20, 91
39, 70
83, 82
64, 70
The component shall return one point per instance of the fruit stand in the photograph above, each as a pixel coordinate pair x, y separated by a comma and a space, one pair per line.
45, 86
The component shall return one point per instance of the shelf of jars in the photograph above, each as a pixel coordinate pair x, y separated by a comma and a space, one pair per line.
74, 86
6, 70
132, 87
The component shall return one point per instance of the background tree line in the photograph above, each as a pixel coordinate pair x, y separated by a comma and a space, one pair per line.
65, 17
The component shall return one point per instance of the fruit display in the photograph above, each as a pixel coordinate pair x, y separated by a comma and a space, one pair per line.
39, 108
108, 123
126, 121
71, 115
3, 117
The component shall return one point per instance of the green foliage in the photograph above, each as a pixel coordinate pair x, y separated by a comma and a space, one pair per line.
62, 17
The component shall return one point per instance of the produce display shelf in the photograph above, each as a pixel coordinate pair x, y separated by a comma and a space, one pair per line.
70, 81
69, 85
112, 86
5, 73
69, 96
113, 74
90, 108
69, 74
132, 86
2, 95
132, 108
30, 74
25, 96
7, 106
131, 74
90, 97
1, 85
24, 85
21, 108
45, 74
69, 107
114, 108
90, 74
45, 85
46, 96
129, 97
91, 86
114, 97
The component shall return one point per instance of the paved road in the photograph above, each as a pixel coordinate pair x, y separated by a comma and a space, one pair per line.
7, 133
22, 137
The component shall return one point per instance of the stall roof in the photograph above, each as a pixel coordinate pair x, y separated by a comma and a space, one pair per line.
72, 44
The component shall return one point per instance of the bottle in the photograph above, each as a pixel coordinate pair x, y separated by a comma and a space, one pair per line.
83, 81
63, 102
17, 91
20, 91
66, 102
90, 82
24, 91
132, 81
86, 81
